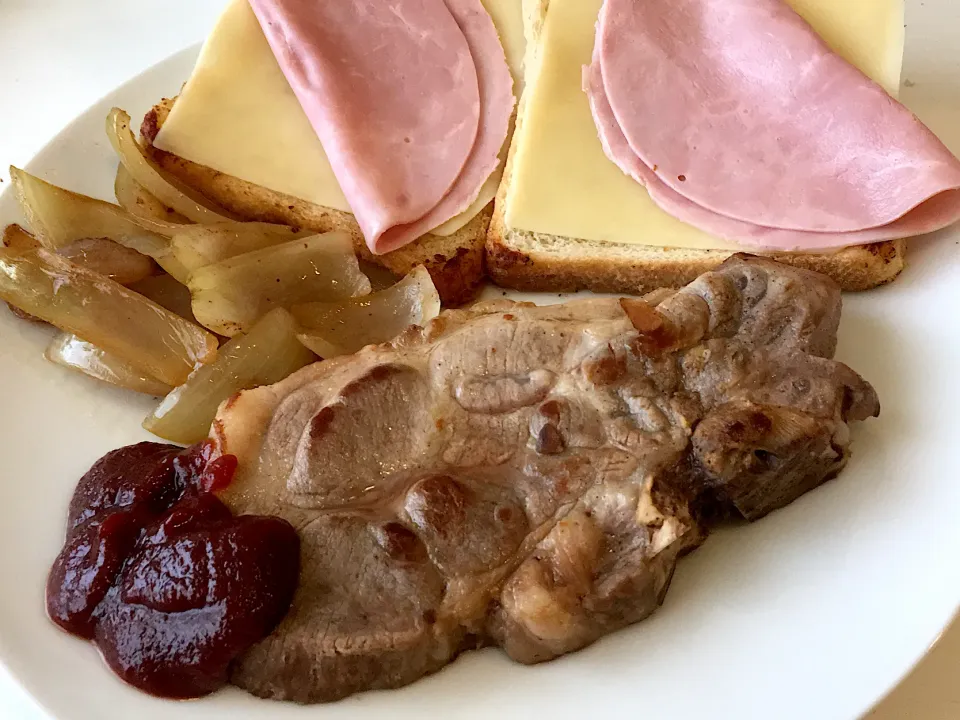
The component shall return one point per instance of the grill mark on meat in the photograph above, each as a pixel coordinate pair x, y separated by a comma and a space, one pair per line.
377, 374
400, 543
437, 502
550, 441
551, 411
322, 421
531, 481
605, 367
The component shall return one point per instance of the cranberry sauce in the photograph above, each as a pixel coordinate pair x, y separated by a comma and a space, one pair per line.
162, 577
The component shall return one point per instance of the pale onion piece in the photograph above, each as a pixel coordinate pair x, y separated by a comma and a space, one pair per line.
230, 296
164, 188
71, 352
60, 217
167, 292
197, 246
267, 354
136, 200
342, 328
105, 313
108, 258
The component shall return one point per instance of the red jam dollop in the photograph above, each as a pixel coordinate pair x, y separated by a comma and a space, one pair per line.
161, 576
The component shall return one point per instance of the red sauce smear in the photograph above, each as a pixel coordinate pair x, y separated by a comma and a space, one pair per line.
159, 574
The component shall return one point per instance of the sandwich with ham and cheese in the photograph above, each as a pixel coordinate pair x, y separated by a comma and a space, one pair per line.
654, 138
387, 120
657, 137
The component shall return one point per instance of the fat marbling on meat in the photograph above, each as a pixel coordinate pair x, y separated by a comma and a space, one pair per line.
526, 476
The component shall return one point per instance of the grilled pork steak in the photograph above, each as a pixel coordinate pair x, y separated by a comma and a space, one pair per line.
528, 476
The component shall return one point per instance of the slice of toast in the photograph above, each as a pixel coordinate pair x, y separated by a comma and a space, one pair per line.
456, 263
533, 261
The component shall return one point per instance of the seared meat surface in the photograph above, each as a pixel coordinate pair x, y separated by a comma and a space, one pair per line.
528, 476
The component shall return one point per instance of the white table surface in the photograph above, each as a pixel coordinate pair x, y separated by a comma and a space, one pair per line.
58, 56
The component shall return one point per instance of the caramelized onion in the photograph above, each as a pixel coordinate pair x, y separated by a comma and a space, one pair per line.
167, 292
108, 258
16, 238
197, 246
71, 352
230, 296
105, 313
102, 256
342, 328
60, 217
267, 354
136, 200
164, 188
380, 277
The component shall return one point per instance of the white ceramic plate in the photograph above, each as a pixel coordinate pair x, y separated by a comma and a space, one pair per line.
813, 613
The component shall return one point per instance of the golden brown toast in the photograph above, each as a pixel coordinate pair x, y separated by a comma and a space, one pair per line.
536, 262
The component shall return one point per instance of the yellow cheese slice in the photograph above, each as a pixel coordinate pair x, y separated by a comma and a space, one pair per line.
561, 181
488, 191
507, 15
238, 115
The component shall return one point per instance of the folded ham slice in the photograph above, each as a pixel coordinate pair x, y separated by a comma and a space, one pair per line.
410, 98
739, 120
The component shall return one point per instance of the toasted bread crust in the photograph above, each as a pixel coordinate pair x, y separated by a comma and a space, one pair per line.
456, 263
536, 262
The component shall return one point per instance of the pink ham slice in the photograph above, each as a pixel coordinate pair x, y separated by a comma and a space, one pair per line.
740, 121
411, 100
